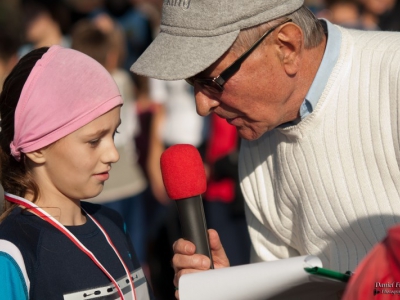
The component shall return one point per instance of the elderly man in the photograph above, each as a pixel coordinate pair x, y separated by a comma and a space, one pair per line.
318, 108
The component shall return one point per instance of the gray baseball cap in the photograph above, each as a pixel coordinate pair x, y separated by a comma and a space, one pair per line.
196, 33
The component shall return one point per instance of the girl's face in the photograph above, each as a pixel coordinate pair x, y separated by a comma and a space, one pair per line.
77, 165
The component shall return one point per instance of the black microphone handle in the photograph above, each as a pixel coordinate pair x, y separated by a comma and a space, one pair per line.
193, 224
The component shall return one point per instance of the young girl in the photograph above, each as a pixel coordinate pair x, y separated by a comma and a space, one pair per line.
60, 110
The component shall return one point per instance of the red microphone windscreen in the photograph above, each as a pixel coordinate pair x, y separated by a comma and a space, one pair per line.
183, 172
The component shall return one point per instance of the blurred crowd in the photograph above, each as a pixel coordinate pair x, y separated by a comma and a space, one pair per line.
359, 14
157, 114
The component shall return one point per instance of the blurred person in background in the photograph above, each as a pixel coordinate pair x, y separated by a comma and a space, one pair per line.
152, 9
391, 19
315, 5
360, 14
136, 27
346, 13
373, 11
46, 23
137, 37
138, 33
124, 190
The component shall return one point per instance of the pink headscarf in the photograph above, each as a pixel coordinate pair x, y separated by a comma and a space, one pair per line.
65, 90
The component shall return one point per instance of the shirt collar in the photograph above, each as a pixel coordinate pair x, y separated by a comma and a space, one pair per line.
325, 69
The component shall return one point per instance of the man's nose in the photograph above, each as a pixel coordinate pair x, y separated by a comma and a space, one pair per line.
204, 103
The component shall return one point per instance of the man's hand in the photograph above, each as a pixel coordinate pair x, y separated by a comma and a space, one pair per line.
186, 261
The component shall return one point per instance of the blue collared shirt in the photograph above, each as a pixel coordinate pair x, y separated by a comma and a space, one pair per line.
325, 69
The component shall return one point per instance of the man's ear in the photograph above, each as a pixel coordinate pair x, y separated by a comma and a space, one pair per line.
37, 156
290, 41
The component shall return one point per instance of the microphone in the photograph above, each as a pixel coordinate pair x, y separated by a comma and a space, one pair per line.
184, 179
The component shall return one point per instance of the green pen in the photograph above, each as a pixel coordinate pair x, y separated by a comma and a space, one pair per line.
329, 273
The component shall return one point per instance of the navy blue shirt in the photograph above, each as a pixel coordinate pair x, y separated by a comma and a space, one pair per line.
57, 268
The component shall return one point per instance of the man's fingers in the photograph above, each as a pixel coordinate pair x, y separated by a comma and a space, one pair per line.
185, 257
215, 242
217, 250
185, 247
195, 261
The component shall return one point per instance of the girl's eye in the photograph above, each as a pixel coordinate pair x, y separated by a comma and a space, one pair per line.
115, 132
94, 142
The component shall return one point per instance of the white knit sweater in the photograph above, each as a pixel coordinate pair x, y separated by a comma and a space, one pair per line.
330, 186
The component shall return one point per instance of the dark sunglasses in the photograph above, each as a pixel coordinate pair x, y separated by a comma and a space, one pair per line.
216, 85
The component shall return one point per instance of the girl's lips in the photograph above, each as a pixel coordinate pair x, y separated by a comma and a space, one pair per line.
102, 176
